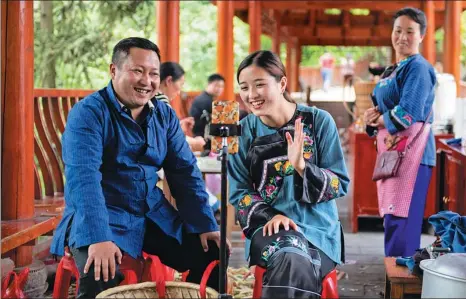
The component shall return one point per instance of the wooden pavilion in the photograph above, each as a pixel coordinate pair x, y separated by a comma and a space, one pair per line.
31, 119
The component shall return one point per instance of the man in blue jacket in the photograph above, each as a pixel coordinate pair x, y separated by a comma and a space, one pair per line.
115, 141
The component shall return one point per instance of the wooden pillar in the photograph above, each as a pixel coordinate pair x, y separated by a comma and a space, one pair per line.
428, 44
289, 64
18, 116
231, 77
255, 25
452, 40
296, 62
393, 53
276, 42
168, 29
225, 46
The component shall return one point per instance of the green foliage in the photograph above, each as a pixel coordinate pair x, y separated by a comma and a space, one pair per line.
332, 11
84, 35
360, 11
85, 32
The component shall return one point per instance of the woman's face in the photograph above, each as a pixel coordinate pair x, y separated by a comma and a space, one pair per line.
173, 88
260, 92
406, 36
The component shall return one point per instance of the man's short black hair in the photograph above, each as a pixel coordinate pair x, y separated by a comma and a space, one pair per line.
414, 14
121, 50
215, 77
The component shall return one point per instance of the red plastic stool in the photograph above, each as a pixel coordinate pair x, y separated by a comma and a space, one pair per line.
134, 270
66, 268
329, 284
154, 270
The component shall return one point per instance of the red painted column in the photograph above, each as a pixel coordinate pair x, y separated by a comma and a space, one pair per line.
276, 41
18, 115
452, 40
168, 29
289, 64
428, 44
255, 25
225, 46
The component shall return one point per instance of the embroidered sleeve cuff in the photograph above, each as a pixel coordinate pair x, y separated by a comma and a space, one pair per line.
397, 119
253, 212
319, 185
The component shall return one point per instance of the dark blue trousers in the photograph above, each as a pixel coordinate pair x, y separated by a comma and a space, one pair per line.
403, 235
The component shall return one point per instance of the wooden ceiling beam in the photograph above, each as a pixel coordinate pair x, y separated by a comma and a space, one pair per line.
338, 32
353, 41
341, 4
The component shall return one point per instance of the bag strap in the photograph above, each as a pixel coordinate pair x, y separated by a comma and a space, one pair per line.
418, 133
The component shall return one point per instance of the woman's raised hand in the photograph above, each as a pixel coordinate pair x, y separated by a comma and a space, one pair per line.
273, 226
295, 147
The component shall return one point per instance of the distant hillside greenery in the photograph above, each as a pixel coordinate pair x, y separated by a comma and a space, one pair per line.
74, 39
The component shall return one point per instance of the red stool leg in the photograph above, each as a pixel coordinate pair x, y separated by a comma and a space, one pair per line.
258, 275
184, 275
132, 269
66, 268
329, 285
155, 270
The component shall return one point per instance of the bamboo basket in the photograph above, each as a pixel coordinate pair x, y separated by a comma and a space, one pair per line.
173, 289
363, 91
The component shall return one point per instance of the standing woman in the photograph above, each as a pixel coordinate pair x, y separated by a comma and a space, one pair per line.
283, 182
171, 83
403, 103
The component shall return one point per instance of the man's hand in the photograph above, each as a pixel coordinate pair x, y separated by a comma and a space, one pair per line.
213, 236
273, 226
103, 256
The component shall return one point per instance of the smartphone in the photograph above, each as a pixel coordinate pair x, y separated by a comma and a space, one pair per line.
227, 113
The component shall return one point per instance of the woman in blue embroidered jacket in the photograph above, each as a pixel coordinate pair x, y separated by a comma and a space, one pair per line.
403, 100
283, 180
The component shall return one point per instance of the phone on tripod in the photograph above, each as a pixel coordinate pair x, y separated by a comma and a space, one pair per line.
225, 114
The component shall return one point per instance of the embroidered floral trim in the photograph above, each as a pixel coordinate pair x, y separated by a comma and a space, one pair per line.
265, 168
385, 81
401, 116
282, 242
309, 145
331, 186
244, 208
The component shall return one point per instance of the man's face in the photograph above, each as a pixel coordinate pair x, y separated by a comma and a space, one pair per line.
137, 78
216, 88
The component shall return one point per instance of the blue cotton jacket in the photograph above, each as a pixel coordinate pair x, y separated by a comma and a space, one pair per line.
406, 97
110, 169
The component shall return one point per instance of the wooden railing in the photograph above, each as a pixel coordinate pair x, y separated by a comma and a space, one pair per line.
51, 108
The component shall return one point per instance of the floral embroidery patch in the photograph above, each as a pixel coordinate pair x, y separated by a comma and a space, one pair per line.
271, 188
401, 116
385, 81
243, 207
333, 186
309, 145
282, 242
